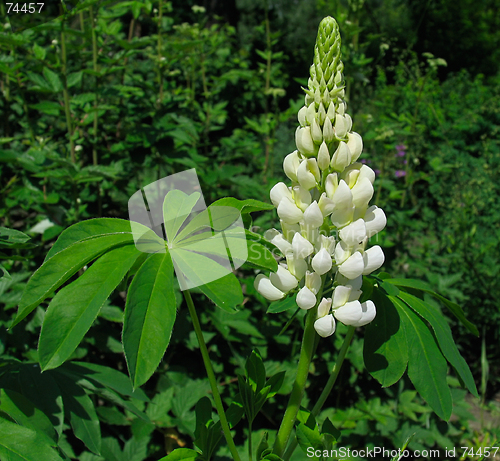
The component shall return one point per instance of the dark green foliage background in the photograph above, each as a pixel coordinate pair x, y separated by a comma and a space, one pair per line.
85, 125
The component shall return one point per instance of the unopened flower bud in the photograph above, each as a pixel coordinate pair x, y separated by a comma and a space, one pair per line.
310, 113
316, 133
340, 126
302, 116
355, 145
331, 184
304, 141
302, 248
323, 157
328, 132
324, 307
321, 113
313, 281
313, 216
341, 158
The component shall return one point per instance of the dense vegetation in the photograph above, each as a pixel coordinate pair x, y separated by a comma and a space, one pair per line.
114, 95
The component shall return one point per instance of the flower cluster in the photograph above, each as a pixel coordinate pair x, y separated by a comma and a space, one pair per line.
325, 218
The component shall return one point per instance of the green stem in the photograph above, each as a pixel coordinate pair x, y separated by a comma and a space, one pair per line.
249, 441
160, 73
329, 385
306, 353
211, 376
94, 66
66, 95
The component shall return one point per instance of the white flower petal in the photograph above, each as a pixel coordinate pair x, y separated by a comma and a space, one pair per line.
289, 212
355, 283
328, 132
283, 279
322, 262
316, 132
279, 191
324, 307
304, 176
264, 286
369, 313
302, 248
304, 140
353, 267
340, 126
306, 299
341, 217
355, 144
326, 205
373, 258
301, 197
291, 164
375, 220
323, 157
296, 266
331, 184
350, 313
341, 158
313, 281
343, 195
302, 116
313, 215
354, 233
341, 295
367, 172
342, 252
284, 245
362, 192
325, 326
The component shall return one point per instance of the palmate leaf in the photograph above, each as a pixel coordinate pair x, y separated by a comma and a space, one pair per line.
60, 267
74, 308
150, 313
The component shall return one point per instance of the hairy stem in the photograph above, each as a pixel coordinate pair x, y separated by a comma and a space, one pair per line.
211, 376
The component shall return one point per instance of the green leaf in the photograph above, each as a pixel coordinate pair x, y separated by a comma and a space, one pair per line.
9, 237
56, 270
47, 107
105, 376
177, 206
208, 434
53, 79
244, 206
39, 52
149, 317
454, 308
427, 368
275, 383
255, 371
19, 443
74, 308
74, 78
181, 454
308, 437
81, 413
443, 335
385, 350
259, 257
225, 292
90, 228
23, 412
282, 305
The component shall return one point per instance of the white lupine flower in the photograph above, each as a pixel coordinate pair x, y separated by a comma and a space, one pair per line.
355, 145
296, 266
289, 212
354, 233
331, 184
291, 164
279, 191
324, 307
316, 132
375, 220
301, 247
264, 286
362, 192
304, 141
322, 262
283, 279
305, 177
327, 182
325, 326
323, 157
353, 266
340, 126
306, 299
302, 116
301, 197
341, 158
373, 258
313, 215
278, 240
313, 281
326, 205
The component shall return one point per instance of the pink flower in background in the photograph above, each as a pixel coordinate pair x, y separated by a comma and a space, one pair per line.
400, 173
401, 150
